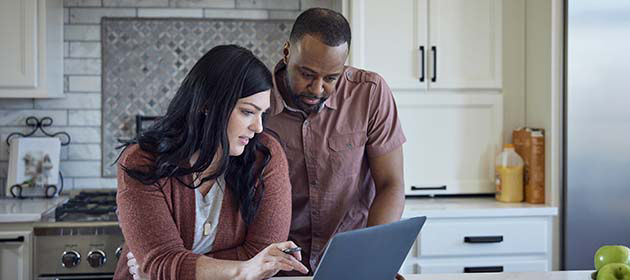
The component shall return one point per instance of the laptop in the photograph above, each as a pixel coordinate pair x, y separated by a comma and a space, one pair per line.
370, 253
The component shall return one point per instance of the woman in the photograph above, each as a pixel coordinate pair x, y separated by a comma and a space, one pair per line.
204, 193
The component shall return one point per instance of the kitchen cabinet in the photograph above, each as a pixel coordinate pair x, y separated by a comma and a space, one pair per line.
468, 235
428, 44
31, 49
15, 255
443, 61
452, 141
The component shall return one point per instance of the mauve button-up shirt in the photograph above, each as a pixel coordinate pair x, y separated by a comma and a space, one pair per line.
328, 151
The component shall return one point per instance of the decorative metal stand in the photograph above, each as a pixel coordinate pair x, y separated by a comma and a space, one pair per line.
37, 124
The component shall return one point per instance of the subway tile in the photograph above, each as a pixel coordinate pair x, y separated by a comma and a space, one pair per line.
85, 49
269, 4
93, 15
82, 66
84, 83
82, 32
222, 4
84, 117
84, 151
83, 168
83, 134
71, 101
307, 4
135, 3
184, 13
236, 14
292, 15
82, 3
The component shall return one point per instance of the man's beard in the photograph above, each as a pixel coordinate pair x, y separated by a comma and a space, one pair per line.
307, 108
297, 101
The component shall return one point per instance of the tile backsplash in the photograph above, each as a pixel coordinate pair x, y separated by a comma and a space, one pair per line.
79, 113
145, 61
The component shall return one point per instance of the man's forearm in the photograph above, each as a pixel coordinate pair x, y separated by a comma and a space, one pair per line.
387, 206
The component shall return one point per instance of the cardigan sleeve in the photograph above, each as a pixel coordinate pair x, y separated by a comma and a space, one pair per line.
147, 223
273, 218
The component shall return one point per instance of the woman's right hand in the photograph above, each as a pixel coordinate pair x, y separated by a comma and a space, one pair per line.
271, 260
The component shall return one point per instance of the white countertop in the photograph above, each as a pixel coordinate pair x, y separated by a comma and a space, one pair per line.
472, 207
556, 275
14, 210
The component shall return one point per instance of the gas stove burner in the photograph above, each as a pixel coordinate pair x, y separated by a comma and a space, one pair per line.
88, 206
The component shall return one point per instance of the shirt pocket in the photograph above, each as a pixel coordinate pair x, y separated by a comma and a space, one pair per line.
346, 152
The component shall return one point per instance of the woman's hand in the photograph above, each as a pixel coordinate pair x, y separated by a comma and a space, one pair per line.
271, 260
134, 268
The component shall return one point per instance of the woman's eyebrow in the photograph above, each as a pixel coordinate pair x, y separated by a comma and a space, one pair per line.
249, 103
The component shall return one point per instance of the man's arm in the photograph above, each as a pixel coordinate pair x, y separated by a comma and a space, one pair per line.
389, 202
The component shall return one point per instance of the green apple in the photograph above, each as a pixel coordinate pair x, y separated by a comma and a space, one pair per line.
611, 254
614, 271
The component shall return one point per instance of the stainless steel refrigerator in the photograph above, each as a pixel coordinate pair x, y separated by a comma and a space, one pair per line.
597, 129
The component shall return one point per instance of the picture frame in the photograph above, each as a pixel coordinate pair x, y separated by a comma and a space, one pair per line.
33, 164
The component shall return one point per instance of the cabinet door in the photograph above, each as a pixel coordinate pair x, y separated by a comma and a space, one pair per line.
18, 47
31, 49
15, 255
452, 140
465, 44
389, 37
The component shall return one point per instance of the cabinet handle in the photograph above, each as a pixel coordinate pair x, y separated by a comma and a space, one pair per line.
483, 239
422, 64
414, 188
434, 50
483, 269
8, 240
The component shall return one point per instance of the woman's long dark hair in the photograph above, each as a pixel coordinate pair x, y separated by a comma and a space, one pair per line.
197, 120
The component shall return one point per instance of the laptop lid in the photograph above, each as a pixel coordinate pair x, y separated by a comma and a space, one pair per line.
370, 253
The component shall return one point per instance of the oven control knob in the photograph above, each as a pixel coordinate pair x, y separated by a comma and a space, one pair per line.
118, 252
70, 259
96, 258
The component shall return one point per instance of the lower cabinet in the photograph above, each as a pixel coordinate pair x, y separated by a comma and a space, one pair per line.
15, 255
481, 244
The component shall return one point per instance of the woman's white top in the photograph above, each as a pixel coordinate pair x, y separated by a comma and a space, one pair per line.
207, 212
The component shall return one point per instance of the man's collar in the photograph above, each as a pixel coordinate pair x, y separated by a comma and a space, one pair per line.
278, 103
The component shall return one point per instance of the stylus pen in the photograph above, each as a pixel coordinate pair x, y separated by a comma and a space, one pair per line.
292, 250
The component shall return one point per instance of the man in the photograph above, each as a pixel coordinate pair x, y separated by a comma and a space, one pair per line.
340, 130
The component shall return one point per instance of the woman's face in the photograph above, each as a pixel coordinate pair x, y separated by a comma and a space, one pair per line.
246, 120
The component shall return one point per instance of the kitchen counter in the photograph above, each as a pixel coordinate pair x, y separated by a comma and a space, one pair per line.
443, 207
556, 275
27, 210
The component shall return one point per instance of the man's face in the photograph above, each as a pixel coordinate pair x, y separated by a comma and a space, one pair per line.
313, 69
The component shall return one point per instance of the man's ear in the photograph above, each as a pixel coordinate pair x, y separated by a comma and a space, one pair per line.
285, 52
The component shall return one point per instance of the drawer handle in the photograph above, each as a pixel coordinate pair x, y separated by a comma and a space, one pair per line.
483, 239
414, 188
7, 240
483, 269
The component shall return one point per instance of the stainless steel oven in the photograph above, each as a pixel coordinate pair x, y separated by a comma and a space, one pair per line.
80, 240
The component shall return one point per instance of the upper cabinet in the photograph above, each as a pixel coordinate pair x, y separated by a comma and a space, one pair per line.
429, 44
31, 49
